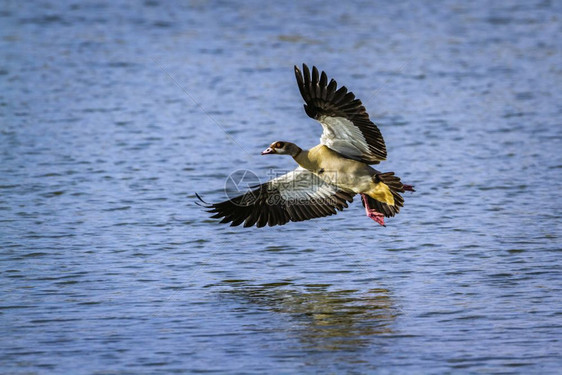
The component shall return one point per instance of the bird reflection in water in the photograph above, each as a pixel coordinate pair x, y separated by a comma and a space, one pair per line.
324, 319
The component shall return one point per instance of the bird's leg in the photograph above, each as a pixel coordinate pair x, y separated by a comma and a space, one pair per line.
371, 212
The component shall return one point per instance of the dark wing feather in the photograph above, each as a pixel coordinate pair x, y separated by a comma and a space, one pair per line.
347, 127
296, 196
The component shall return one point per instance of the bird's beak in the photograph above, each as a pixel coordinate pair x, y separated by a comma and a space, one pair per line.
268, 150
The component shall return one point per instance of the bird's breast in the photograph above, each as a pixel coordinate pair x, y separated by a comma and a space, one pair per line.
331, 167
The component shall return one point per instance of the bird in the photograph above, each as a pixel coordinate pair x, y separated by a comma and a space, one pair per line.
328, 175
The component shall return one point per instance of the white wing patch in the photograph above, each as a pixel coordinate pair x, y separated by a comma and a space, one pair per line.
341, 135
302, 185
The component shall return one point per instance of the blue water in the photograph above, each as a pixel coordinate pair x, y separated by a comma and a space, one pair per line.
113, 114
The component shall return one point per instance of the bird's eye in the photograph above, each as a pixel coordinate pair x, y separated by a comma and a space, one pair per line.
280, 145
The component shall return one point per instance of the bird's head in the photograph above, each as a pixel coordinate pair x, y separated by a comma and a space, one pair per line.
283, 148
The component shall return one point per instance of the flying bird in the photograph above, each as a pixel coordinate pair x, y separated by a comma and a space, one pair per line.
328, 175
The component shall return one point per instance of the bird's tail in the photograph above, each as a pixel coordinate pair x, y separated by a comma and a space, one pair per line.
396, 187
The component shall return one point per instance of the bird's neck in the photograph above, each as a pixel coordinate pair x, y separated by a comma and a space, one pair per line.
297, 153
306, 159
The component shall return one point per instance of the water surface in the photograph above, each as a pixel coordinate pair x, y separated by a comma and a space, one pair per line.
114, 114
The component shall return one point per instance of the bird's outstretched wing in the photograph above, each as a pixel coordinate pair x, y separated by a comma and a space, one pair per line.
347, 127
296, 196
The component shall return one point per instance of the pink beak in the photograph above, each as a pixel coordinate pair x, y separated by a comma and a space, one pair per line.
268, 150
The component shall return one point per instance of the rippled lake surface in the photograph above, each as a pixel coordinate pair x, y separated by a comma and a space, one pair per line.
113, 114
